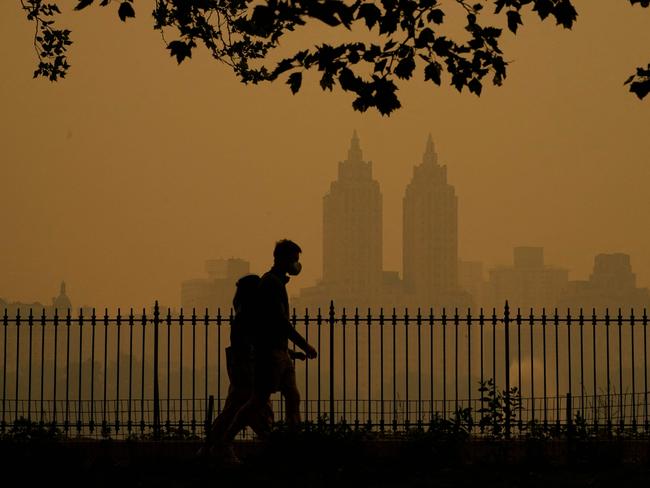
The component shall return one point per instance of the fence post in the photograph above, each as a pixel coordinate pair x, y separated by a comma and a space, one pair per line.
156, 392
506, 322
569, 416
208, 418
331, 323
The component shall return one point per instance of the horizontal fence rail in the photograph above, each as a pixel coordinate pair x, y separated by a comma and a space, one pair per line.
154, 374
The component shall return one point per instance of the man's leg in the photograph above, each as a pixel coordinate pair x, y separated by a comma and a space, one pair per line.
253, 413
237, 397
261, 419
291, 394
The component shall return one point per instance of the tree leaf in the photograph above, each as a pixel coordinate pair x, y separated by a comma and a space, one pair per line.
436, 16
125, 10
83, 4
514, 20
179, 49
405, 67
432, 72
370, 13
294, 81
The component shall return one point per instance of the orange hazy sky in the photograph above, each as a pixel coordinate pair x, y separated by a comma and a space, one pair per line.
124, 177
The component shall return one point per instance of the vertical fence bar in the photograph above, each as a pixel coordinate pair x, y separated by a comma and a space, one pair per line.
193, 421
568, 334
331, 378
369, 322
593, 344
156, 386
169, 367
118, 324
5, 324
205, 368
481, 322
609, 411
129, 420
394, 324
520, 405
494, 346
645, 371
419, 411
633, 368
54, 373
180, 371
544, 368
68, 323
142, 356
307, 370
41, 417
294, 324
621, 411
343, 366
319, 321
506, 323
93, 323
17, 364
581, 323
230, 322
79, 416
469, 358
456, 325
494, 350
356, 368
406, 367
431, 355
104, 399
444, 363
30, 323
382, 412
531, 322
556, 323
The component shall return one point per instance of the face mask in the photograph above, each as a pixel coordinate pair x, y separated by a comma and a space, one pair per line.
295, 268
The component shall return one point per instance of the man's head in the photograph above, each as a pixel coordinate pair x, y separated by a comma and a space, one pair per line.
286, 256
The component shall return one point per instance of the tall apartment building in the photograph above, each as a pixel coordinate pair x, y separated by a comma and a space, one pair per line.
352, 230
430, 234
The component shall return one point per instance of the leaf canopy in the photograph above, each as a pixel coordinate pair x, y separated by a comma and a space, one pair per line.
410, 40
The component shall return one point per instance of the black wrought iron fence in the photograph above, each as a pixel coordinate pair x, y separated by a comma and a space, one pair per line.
156, 374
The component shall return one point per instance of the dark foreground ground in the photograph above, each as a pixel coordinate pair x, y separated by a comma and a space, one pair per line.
335, 463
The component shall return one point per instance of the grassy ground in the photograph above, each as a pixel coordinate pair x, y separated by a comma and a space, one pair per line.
326, 463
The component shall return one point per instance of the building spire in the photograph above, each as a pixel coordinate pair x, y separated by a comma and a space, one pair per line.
430, 156
62, 289
354, 153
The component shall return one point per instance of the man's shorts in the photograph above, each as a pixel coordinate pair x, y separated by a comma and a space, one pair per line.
239, 364
274, 371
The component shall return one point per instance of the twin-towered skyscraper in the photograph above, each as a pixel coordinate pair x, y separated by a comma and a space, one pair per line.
352, 229
353, 272
430, 231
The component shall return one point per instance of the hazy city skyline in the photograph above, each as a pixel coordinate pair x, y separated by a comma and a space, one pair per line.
339, 220
142, 170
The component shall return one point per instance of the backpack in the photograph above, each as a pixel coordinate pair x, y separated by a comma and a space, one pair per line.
246, 306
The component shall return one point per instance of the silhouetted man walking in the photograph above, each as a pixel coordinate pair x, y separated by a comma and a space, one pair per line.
273, 367
239, 363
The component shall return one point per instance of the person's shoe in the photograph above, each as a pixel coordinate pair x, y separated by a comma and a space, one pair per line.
202, 452
225, 455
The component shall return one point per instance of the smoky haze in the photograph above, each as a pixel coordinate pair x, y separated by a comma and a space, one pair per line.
125, 177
